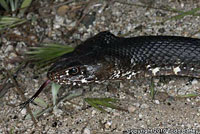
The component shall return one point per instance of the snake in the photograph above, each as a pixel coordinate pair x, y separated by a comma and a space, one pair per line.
109, 57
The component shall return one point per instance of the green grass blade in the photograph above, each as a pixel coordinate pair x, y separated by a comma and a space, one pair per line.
70, 95
4, 4
180, 16
99, 102
152, 89
93, 104
188, 95
12, 5
9, 22
16, 4
47, 53
6, 19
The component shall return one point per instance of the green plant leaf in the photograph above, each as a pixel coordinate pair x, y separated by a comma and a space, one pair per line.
55, 88
152, 89
72, 94
180, 16
9, 22
40, 102
188, 95
36, 113
42, 56
99, 102
4, 4
12, 5
25, 4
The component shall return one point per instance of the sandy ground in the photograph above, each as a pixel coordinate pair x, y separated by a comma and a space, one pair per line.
166, 113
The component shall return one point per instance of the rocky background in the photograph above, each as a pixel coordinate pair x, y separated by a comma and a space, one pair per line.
175, 107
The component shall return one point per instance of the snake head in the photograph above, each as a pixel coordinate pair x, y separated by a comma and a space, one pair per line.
73, 69
84, 64
73, 72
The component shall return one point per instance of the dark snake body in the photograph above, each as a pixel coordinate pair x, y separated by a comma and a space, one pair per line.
143, 56
105, 56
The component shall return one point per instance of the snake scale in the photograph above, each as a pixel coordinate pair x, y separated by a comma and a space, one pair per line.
106, 56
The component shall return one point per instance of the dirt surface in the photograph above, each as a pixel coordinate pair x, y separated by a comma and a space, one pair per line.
72, 22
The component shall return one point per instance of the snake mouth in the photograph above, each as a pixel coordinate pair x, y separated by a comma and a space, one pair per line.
75, 75
64, 78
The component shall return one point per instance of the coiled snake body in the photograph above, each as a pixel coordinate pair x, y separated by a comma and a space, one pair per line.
105, 56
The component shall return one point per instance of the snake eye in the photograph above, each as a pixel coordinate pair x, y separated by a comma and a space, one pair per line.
73, 71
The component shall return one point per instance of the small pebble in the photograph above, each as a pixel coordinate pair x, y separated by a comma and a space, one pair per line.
86, 131
161, 96
137, 104
62, 10
23, 112
140, 116
121, 85
116, 114
144, 106
12, 55
9, 48
94, 112
108, 124
17, 32
157, 102
56, 26
131, 109
188, 100
57, 112
156, 80
195, 81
